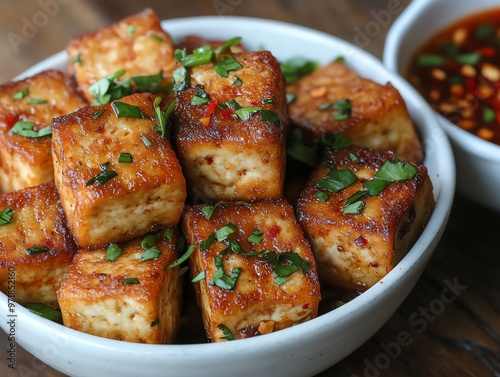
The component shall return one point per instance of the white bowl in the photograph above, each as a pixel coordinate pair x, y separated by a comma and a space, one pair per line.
302, 350
477, 160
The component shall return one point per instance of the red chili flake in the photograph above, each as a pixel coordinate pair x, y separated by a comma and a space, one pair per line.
361, 241
305, 306
226, 114
471, 85
211, 108
10, 120
487, 51
275, 229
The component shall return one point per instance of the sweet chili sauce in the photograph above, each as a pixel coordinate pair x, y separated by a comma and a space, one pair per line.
458, 72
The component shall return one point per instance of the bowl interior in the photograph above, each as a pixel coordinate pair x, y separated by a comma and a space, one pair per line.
301, 350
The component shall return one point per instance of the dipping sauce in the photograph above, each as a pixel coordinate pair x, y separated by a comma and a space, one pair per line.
458, 72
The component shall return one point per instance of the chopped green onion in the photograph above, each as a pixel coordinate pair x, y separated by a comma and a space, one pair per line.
228, 335
125, 158
206, 244
269, 116
256, 236
157, 37
354, 208
201, 97
294, 68
339, 59
25, 129
98, 113
489, 115
335, 141
37, 101
150, 254
321, 196
77, 59
44, 311
130, 29
182, 79
37, 250
6, 216
237, 81
344, 109
155, 322
267, 101
112, 252
169, 233
21, 94
224, 66
290, 97
227, 45
198, 277
106, 89
224, 232
353, 157
208, 211
468, 59
126, 110
129, 281
245, 112
484, 31
147, 142
337, 180
430, 60
183, 258
104, 176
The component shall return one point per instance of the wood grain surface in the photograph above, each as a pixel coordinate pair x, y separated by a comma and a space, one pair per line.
450, 323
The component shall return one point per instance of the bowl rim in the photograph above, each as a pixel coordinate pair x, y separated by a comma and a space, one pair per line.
398, 32
419, 252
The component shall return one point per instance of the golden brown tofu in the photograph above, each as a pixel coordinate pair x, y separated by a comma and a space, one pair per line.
136, 44
225, 157
106, 200
355, 250
36, 246
25, 161
378, 117
125, 299
259, 273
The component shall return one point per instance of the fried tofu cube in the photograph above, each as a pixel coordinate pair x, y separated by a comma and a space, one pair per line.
357, 249
125, 299
36, 247
26, 161
376, 115
258, 273
225, 157
106, 200
136, 44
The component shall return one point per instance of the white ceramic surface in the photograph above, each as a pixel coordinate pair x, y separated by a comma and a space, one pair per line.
477, 161
302, 350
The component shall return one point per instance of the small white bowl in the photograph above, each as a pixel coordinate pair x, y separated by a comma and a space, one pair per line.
477, 160
302, 350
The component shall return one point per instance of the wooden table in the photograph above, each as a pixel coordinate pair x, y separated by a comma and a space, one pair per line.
445, 337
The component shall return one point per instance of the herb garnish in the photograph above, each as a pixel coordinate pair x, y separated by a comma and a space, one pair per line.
112, 252
129, 281
147, 142
37, 101
104, 176
198, 277
343, 108
223, 280
208, 211
44, 311
183, 258
337, 180
201, 97
148, 244
24, 128
21, 94
296, 149
227, 45
294, 68
224, 232
37, 250
224, 66
125, 110
6, 216
228, 335
205, 245
256, 236
98, 113
390, 171
125, 158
